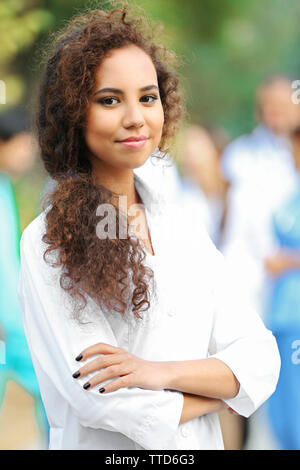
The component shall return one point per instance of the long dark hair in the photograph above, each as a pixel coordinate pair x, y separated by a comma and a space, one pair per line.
93, 266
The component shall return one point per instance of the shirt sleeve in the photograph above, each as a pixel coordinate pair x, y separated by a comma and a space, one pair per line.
240, 339
150, 418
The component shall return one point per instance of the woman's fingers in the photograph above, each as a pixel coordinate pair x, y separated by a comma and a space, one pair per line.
97, 364
112, 372
99, 348
121, 382
112, 364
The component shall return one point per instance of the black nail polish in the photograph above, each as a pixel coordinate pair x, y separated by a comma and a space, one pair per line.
76, 374
102, 390
87, 385
78, 358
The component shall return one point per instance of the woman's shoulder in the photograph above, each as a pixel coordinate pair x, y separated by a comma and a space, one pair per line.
32, 236
33, 250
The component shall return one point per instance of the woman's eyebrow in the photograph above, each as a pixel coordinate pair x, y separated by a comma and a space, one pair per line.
120, 92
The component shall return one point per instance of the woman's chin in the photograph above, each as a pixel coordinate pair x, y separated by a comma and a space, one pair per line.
137, 162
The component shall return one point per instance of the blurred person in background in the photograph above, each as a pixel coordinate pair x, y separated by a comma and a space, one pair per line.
267, 151
17, 154
16, 157
283, 316
202, 178
261, 172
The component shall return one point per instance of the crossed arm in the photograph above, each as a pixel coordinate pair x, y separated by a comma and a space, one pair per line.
238, 339
204, 382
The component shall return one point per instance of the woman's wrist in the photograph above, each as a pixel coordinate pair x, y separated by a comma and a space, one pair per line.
196, 405
208, 377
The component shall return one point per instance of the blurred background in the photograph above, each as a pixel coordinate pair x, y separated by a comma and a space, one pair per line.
236, 161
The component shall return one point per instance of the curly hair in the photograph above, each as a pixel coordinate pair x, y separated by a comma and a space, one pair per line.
96, 267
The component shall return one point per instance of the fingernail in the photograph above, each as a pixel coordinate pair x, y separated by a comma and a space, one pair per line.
76, 374
78, 358
87, 385
102, 390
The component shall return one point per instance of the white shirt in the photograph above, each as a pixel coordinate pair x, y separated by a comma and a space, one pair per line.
196, 313
260, 158
162, 174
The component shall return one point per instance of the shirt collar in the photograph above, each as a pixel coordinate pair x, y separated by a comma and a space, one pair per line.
153, 199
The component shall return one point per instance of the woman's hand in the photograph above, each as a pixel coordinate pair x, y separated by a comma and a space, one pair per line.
117, 362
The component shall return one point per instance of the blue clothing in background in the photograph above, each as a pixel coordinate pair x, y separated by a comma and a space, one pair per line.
283, 318
17, 364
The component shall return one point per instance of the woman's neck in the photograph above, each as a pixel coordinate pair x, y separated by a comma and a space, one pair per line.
119, 181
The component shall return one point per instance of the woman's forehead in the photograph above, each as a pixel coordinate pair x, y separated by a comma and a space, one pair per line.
127, 65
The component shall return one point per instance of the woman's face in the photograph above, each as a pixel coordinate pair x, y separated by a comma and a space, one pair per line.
125, 105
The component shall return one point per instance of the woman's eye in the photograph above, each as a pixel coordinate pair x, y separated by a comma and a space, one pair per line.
108, 101
149, 98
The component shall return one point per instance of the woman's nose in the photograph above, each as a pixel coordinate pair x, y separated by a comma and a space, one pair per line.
133, 117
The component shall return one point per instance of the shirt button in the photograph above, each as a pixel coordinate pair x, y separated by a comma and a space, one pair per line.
184, 431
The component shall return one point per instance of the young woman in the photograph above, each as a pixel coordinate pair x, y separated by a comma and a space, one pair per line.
138, 304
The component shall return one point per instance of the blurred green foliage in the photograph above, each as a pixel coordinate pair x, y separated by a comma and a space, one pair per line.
21, 24
28, 190
227, 47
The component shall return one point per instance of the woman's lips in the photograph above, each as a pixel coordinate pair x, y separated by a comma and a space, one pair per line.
135, 144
